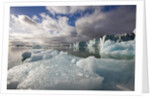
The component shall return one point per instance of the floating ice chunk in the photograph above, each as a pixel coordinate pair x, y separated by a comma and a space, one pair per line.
60, 70
75, 46
40, 55
91, 43
54, 53
87, 64
47, 56
36, 57
122, 50
115, 72
61, 53
37, 47
52, 73
26, 55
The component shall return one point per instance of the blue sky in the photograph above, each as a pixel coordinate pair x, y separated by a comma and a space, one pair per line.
76, 23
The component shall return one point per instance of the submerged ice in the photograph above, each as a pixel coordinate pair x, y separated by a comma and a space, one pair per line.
50, 69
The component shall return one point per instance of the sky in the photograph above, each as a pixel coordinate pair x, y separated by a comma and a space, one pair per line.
59, 25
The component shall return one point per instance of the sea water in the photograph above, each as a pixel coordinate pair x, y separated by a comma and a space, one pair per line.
15, 53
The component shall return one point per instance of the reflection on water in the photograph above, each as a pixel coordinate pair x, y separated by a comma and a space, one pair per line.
15, 53
81, 51
15, 56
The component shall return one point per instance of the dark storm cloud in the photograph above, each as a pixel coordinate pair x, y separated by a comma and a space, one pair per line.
120, 20
99, 23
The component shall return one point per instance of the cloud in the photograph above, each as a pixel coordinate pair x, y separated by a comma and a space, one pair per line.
120, 20
57, 27
26, 20
25, 29
56, 30
22, 23
34, 17
65, 9
60, 10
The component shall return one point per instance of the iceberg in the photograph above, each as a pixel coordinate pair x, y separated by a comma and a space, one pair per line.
115, 72
75, 46
118, 50
93, 46
54, 70
118, 46
26, 55
91, 43
41, 55
36, 47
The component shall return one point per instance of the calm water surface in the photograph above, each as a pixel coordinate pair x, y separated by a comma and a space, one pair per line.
15, 53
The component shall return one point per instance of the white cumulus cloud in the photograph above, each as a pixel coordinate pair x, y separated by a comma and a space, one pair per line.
65, 9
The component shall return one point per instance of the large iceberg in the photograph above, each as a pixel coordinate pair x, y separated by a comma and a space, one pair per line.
53, 70
119, 46
115, 72
118, 50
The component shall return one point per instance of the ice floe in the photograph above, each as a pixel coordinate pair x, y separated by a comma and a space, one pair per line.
50, 69
122, 50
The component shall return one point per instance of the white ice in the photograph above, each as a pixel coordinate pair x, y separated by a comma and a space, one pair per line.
91, 43
119, 46
50, 69
122, 50
36, 47
115, 72
56, 71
